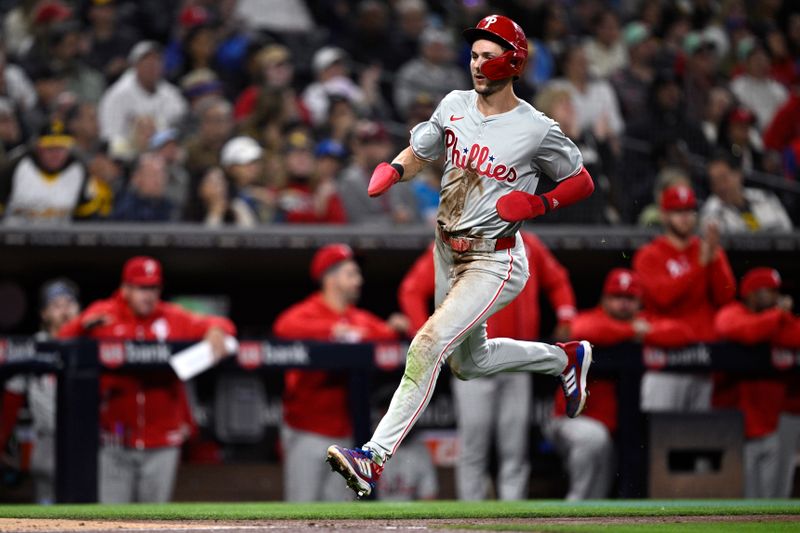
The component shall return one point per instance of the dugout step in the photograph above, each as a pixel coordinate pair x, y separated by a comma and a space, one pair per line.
696, 455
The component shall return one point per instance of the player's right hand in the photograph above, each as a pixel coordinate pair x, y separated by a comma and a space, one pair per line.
383, 177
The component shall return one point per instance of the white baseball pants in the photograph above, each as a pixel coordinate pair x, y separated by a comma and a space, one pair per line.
305, 480
493, 409
761, 467
789, 435
588, 452
470, 287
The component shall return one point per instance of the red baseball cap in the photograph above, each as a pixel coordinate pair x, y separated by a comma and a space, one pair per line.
142, 270
327, 257
760, 278
741, 114
678, 198
622, 282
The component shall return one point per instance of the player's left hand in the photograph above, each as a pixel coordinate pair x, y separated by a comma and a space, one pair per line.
517, 206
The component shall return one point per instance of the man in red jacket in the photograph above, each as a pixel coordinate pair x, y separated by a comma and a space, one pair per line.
686, 278
763, 316
496, 407
586, 442
144, 416
315, 408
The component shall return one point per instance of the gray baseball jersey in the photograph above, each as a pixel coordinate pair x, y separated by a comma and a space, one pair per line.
488, 157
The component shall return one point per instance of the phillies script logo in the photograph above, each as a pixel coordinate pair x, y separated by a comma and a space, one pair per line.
112, 354
477, 159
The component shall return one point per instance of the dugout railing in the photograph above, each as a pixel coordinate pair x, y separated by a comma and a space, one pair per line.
78, 365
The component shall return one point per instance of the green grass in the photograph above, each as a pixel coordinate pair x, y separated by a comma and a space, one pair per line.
705, 527
385, 510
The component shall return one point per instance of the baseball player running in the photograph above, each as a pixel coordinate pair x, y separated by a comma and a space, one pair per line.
496, 147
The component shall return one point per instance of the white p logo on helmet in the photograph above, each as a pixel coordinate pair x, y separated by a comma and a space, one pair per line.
488, 21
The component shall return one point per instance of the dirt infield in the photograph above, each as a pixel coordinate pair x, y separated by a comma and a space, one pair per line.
143, 526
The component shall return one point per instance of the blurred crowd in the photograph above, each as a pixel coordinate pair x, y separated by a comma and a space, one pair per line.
253, 112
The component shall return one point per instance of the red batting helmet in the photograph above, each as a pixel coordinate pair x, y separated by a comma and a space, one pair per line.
507, 33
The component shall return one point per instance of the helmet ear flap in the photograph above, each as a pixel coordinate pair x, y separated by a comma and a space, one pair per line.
506, 65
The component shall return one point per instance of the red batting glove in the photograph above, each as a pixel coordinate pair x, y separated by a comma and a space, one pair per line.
383, 177
517, 205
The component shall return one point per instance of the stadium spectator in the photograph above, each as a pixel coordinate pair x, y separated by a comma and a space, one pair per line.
315, 404
740, 138
369, 40
241, 159
48, 85
63, 51
550, 33
496, 409
273, 93
306, 198
371, 145
144, 416
11, 134
45, 183
412, 20
331, 157
755, 89
598, 158
685, 278
699, 73
214, 129
81, 120
58, 304
735, 208
197, 86
720, 104
108, 39
145, 199
605, 51
15, 83
165, 145
763, 316
108, 175
432, 73
782, 134
332, 79
342, 120
661, 136
197, 50
586, 442
596, 107
140, 92
217, 206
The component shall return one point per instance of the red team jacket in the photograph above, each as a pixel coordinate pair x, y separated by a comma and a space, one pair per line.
297, 204
144, 410
676, 286
315, 400
520, 318
600, 329
760, 400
